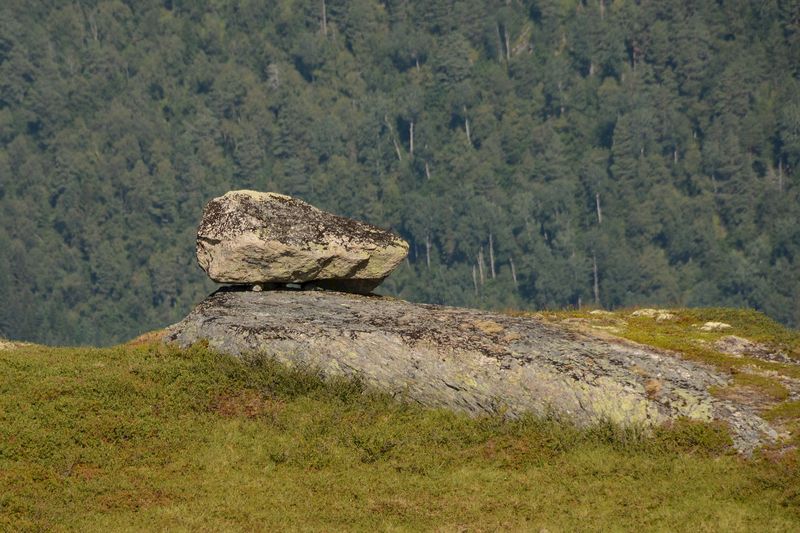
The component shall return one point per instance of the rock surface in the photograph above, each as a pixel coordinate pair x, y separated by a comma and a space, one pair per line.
249, 237
468, 360
738, 346
715, 326
12, 345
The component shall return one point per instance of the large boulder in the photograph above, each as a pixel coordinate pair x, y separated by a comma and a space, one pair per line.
249, 237
469, 360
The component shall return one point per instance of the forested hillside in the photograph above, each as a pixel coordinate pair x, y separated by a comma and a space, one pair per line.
533, 153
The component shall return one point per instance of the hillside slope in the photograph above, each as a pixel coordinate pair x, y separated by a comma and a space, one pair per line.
536, 153
147, 436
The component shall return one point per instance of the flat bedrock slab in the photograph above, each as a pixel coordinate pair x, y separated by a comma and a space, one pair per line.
468, 360
248, 237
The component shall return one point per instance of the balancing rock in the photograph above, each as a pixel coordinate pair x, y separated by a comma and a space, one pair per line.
249, 237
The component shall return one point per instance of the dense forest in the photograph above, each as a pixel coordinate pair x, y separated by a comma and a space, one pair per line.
534, 153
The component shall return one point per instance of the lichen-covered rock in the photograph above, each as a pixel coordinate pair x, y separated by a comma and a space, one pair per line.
468, 360
249, 237
715, 326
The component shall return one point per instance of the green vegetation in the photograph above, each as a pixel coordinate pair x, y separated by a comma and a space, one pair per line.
770, 388
755, 380
530, 151
786, 411
682, 333
147, 436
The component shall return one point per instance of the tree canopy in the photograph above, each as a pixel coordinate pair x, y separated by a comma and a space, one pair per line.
534, 153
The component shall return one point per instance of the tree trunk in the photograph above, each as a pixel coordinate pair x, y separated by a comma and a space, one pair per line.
324, 19
491, 255
475, 279
499, 43
599, 211
596, 280
394, 139
397, 149
411, 139
427, 170
480, 266
466, 126
513, 271
428, 250
93, 27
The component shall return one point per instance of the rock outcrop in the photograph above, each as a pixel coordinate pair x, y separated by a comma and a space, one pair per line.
469, 360
249, 237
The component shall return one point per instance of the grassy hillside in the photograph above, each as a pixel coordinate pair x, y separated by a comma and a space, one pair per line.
144, 436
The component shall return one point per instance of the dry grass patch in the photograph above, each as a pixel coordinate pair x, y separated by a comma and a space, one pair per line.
246, 403
150, 337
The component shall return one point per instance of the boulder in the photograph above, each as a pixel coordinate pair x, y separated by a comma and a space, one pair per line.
468, 360
249, 237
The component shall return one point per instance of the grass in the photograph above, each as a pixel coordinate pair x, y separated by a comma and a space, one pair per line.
147, 437
785, 411
768, 388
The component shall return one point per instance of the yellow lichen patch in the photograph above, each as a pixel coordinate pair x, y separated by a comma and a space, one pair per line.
488, 326
692, 407
615, 405
596, 320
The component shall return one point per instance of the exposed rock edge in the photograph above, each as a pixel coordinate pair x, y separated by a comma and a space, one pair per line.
467, 360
